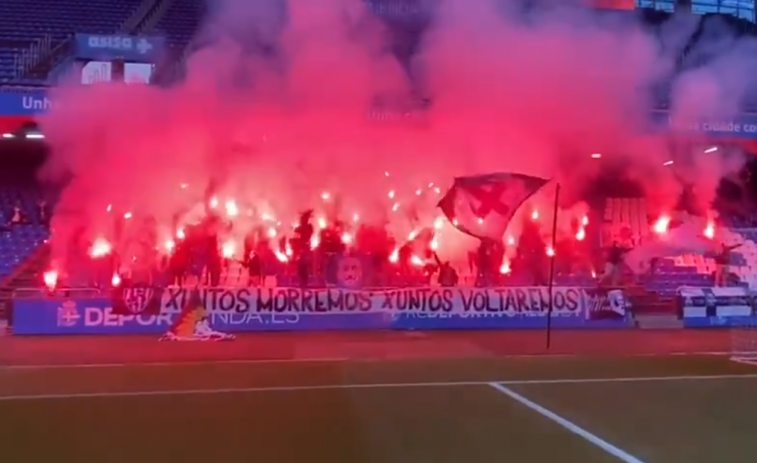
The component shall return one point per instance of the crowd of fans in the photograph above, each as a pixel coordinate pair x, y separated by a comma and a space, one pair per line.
17, 216
313, 256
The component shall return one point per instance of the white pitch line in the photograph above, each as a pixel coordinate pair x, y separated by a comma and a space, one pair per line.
744, 361
180, 363
241, 390
613, 450
358, 386
629, 379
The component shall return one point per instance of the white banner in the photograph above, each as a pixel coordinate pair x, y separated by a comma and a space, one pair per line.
566, 301
96, 71
138, 73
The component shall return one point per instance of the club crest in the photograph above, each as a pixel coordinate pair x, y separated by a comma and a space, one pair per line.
137, 300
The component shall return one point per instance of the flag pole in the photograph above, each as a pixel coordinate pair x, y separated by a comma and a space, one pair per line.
552, 258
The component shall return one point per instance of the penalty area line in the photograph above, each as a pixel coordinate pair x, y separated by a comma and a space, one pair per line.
592, 438
744, 361
361, 386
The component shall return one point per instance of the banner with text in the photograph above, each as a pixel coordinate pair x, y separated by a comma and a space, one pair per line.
743, 126
124, 47
13, 104
270, 309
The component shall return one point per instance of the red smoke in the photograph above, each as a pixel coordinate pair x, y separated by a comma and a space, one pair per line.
535, 95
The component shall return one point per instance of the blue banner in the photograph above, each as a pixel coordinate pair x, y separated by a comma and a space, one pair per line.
292, 309
14, 104
125, 47
737, 321
743, 126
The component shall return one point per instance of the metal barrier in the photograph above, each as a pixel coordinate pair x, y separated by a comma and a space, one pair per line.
153, 16
137, 16
36, 293
33, 55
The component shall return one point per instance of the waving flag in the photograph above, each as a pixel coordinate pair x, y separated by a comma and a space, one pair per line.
483, 205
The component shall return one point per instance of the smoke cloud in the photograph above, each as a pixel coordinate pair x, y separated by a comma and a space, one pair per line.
288, 103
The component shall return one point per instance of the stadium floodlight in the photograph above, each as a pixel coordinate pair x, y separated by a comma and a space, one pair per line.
8, 135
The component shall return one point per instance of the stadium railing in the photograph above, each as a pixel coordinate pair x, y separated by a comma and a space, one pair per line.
41, 292
33, 55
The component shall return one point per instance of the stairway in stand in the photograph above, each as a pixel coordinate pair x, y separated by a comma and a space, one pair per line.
29, 273
650, 310
658, 322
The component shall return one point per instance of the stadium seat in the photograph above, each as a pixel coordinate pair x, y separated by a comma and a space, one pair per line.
23, 23
180, 22
18, 242
626, 221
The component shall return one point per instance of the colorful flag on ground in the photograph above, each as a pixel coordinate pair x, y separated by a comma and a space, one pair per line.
483, 205
193, 324
137, 300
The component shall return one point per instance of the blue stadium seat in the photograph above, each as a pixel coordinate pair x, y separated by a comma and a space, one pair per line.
18, 242
22, 23
180, 21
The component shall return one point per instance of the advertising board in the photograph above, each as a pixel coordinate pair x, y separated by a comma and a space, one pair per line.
124, 47
743, 126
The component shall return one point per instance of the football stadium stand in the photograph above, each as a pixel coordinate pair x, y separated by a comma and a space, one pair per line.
180, 21
19, 240
31, 30
627, 221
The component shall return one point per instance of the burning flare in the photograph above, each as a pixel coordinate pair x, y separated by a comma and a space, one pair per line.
709, 232
661, 226
227, 249
51, 279
100, 248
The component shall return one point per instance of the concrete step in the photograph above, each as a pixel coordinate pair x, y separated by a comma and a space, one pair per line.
658, 322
